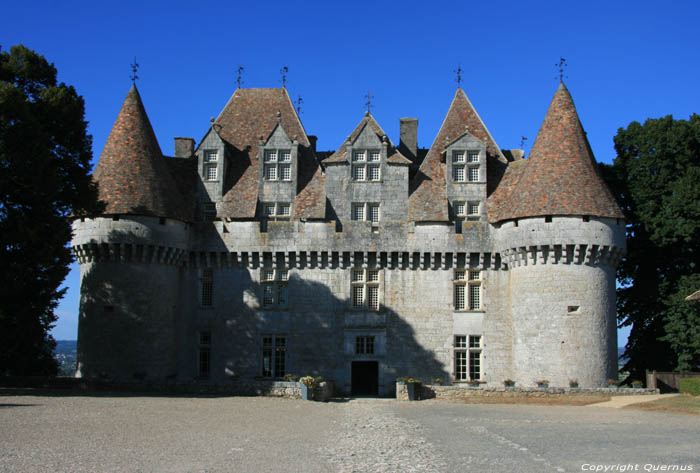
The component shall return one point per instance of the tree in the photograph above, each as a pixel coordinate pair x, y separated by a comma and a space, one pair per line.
656, 178
45, 155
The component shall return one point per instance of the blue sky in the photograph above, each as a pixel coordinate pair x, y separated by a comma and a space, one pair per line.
626, 61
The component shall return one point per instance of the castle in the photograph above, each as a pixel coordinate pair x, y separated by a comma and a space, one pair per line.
250, 254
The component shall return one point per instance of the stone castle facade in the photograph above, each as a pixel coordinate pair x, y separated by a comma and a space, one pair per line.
250, 254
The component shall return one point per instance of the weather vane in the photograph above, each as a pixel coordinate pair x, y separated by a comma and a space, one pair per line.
561, 66
523, 139
239, 79
298, 103
368, 103
134, 69
459, 72
284, 72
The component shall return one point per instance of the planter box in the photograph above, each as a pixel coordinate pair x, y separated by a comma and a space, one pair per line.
412, 389
306, 392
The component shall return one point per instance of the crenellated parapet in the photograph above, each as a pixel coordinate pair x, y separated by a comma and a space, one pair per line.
592, 255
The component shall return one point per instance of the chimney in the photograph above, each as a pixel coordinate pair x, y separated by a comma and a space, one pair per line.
313, 139
184, 147
408, 144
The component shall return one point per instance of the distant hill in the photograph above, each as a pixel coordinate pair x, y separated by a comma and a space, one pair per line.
66, 354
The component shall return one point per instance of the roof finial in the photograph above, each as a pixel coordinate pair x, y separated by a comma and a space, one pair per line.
523, 139
368, 103
459, 72
239, 79
279, 117
298, 103
284, 72
134, 69
561, 67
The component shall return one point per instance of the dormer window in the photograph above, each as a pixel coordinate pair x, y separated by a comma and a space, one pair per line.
211, 156
366, 165
465, 166
277, 165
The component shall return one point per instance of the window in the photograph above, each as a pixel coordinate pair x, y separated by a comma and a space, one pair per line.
274, 168
206, 283
458, 173
204, 354
211, 172
460, 215
275, 293
274, 356
277, 210
473, 210
458, 160
211, 156
209, 211
365, 211
365, 289
472, 156
467, 351
364, 345
473, 174
474, 290
365, 165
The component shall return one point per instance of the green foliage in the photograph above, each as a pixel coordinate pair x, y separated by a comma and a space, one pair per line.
656, 179
690, 386
45, 157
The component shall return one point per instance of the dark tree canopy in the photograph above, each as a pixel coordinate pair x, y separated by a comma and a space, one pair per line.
656, 178
45, 155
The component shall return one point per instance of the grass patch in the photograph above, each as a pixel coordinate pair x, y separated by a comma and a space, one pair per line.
543, 401
683, 403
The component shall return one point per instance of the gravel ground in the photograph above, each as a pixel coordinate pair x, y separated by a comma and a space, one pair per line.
64, 433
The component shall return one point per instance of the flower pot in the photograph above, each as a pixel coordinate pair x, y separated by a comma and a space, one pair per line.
306, 392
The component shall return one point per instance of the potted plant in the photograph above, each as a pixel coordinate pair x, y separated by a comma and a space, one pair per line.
613, 383
542, 383
412, 388
290, 377
306, 384
401, 380
437, 381
474, 383
573, 383
509, 383
636, 384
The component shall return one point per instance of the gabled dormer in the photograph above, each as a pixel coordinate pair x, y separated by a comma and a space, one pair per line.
278, 161
465, 161
211, 166
366, 155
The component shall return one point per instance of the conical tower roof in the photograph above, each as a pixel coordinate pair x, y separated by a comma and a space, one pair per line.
560, 177
428, 200
132, 175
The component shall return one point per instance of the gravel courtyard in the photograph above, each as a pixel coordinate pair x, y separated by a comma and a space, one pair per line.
223, 434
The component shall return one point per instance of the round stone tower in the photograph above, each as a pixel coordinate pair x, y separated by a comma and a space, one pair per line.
131, 257
560, 234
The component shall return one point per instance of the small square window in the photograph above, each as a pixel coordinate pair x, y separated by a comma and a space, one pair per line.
211, 156
270, 156
373, 213
475, 341
374, 156
473, 157
269, 210
374, 173
270, 173
284, 210
285, 172
473, 209
458, 173
283, 275
358, 156
460, 275
211, 173
268, 275
474, 275
358, 173
358, 211
459, 209
460, 341
473, 174
285, 156
358, 275
458, 156
373, 275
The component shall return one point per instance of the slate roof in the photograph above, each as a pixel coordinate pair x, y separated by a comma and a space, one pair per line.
428, 198
394, 156
132, 174
249, 115
560, 177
